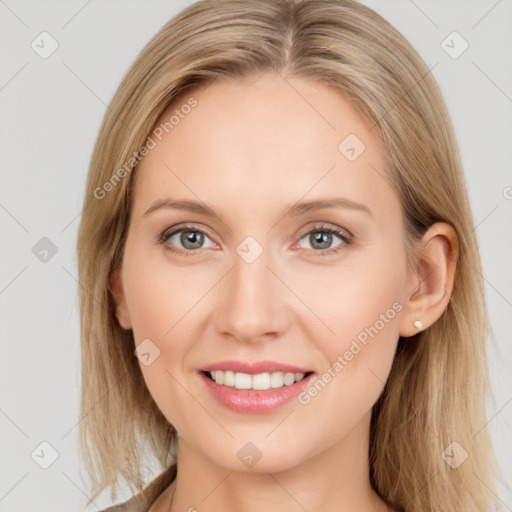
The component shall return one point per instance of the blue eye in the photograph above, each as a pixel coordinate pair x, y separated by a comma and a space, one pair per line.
192, 239
320, 237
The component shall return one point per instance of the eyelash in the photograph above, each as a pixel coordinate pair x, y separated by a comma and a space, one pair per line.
343, 235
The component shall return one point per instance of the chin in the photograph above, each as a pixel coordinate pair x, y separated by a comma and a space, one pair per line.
257, 457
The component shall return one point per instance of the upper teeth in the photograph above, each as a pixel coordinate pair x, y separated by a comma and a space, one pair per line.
259, 381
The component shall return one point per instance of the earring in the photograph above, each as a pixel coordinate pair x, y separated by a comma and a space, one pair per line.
418, 324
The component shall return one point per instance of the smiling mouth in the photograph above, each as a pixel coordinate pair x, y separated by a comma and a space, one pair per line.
255, 382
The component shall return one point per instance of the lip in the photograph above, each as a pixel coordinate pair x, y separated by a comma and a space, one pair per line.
250, 401
255, 367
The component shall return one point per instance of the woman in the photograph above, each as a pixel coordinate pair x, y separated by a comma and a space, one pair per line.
281, 298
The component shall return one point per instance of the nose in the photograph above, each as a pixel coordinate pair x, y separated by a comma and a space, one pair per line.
253, 301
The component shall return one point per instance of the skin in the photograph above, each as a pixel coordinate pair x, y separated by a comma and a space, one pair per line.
251, 148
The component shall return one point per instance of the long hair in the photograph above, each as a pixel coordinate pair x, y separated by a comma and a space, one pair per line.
437, 389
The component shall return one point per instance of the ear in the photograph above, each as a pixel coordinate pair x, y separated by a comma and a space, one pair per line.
122, 313
430, 284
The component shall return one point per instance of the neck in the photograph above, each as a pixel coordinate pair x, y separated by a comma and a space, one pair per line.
336, 479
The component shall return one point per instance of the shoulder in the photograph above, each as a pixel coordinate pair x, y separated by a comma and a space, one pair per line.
135, 504
142, 501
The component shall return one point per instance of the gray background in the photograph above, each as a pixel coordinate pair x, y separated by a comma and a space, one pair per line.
51, 110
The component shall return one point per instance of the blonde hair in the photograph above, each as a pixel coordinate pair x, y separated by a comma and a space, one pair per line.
438, 385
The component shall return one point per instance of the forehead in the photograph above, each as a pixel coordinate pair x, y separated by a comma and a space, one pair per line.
262, 135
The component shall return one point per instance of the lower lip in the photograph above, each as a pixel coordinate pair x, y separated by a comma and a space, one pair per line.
250, 401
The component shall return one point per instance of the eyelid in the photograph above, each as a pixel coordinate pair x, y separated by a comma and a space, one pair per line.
346, 236
324, 225
185, 227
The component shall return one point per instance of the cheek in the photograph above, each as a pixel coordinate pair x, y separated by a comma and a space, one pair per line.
159, 292
360, 303
161, 299
157, 305
359, 357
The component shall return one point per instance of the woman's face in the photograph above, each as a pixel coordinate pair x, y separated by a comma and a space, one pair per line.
262, 279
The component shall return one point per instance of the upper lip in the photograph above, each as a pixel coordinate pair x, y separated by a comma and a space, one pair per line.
254, 367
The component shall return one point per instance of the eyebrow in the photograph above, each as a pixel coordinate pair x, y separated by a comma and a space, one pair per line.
293, 210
